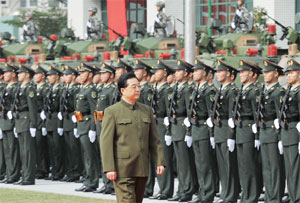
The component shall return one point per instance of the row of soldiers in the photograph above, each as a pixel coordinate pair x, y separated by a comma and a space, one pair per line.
227, 134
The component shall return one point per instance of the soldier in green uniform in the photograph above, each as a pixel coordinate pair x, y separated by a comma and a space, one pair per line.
29, 29
84, 109
247, 143
104, 100
223, 136
10, 141
268, 109
182, 142
288, 122
160, 22
24, 112
198, 112
73, 159
159, 105
2, 159
53, 125
42, 89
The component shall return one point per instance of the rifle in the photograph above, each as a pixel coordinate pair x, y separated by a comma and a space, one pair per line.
16, 102
284, 107
2, 107
119, 35
172, 103
216, 105
64, 102
260, 108
48, 104
285, 29
192, 108
153, 99
116, 96
237, 105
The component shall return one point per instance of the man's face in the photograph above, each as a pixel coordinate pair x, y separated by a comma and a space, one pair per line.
38, 77
240, 3
292, 76
105, 77
119, 72
8, 76
139, 73
52, 79
68, 78
96, 78
245, 75
198, 74
133, 90
268, 76
84, 75
158, 8
170, 78
21, 77
159, 75
91, 13
179, 75
221, 75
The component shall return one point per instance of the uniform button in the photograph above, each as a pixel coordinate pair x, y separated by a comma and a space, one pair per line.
136, 119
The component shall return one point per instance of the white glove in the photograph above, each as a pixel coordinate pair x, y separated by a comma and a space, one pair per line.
257, 144
25, 28
299, 148
44, 131
254, 128
280, 147
59, 116
212, 142
276, 123
60, 131
74, 119
168, 140
230, 144
32, 132
187, 122
166, 121
231, 123
157, 19
43, 115
15, 133
9, 115
209, 122
1, 134
92, 136
76, 133
188, 140
233, 25
298, 127
89, 24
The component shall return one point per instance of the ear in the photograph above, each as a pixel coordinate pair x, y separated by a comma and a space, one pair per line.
122, 90
186, 73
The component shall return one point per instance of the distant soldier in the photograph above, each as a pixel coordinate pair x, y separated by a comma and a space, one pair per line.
29, 29
94, 27
2, 159
160, 22
243, 19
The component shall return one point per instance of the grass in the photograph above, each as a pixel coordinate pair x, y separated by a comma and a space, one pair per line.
22, 196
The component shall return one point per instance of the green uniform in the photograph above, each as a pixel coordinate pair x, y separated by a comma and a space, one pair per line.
10, 142
25, 114
2, 159
85, 104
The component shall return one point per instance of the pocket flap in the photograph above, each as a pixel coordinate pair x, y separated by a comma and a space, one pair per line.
122, 155
146, 120
124, 121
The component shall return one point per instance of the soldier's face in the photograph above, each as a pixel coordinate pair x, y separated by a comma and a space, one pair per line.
139, 73
38, 77
52, 79
21, 76
292, 77
84, 75
8, 76
91, 13
198, 75
179, 75
159, 75
158, 8
119, 72
68, 78
221, 75
96, 79
170, 78
245, 75
132, 91
240, 3
269, 76
105, 77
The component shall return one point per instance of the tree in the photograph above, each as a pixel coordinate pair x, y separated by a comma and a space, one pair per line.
50, 21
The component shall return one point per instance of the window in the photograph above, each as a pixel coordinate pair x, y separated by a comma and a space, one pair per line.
136, 13
3, 2
28, 3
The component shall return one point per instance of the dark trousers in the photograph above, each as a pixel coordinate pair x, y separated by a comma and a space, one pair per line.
28, 156
12, 155
130, 190
2, 161
151, 178
42, 156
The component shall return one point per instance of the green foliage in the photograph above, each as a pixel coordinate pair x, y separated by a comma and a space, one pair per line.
48, 22
260, 19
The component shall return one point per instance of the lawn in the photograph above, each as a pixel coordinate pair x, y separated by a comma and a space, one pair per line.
21, 196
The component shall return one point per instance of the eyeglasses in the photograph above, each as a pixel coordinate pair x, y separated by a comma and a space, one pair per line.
134, 87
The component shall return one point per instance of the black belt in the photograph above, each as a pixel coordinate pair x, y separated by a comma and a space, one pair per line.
159, 115
194, 120
20, 111
179, 115
222, 118
86, 113
292, 119
267, 119
242, 118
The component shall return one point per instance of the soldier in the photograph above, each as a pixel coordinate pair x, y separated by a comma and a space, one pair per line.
10, 141
105, 100
268, 109
223, 136
42, 156
24, 112
288, 122
2, 159
29, 29
198, 112
53, 125
67, 106
247, 143
94, 26
84, 109
160, 22
242, 19
177, 112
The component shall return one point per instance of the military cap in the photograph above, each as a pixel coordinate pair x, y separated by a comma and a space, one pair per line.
10, 68
293, 65
200, 65
183, 65
93, 9
121, 64
139, 64
87, 67
271, 66
67, 69
160, 65
160, 4
223, 66
246, 65
25, 69
53, 71
39, 69
105, 68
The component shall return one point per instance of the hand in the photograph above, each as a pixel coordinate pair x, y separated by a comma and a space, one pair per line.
231, 144
166, 121
187, 122
15, 133
231, 123
188, 140
280, 147
74, 119
276, 124
1, 134
299, 148
76, 133
212, 142
233, 25
298, 127
92, 136
168, 140
111, 175
257, 144
157, 19
254, 128
160, 170
209, 122
44, 131
59, 116
32, 132
43, 115
9, 115
60, 131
